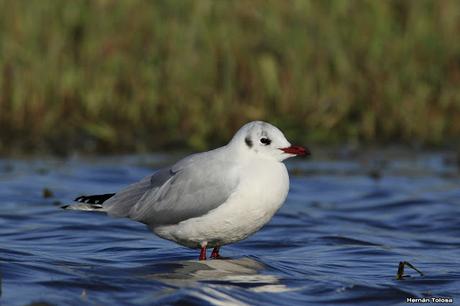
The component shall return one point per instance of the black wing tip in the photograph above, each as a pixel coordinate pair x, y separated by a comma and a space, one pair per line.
94, 199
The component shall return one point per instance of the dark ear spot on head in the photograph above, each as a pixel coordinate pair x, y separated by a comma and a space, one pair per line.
248, 142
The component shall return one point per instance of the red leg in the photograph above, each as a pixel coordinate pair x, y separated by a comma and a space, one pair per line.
203, 252
215, 253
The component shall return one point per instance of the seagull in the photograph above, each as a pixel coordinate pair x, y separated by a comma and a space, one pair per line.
209, 199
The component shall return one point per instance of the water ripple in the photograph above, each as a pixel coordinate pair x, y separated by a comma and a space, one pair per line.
337, 240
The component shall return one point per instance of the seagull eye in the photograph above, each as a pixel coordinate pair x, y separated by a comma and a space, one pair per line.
265, 141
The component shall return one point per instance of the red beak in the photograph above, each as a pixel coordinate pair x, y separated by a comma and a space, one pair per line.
296, 150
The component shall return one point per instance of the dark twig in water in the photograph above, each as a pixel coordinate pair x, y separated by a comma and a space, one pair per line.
400, 275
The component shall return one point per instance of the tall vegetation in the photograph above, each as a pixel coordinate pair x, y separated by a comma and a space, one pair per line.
105, 75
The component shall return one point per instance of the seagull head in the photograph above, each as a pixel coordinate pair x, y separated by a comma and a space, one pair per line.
266, 140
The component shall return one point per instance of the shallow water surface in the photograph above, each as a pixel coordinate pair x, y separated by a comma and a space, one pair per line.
337, 240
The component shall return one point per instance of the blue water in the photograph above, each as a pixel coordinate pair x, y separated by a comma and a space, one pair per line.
338, 239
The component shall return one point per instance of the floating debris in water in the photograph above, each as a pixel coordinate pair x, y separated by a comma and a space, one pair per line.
47, 193
400, 274
375, 174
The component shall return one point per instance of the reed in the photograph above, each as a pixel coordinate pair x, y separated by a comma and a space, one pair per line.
122, 76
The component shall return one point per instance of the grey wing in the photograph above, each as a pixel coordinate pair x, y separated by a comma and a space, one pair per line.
121, 203
193, 189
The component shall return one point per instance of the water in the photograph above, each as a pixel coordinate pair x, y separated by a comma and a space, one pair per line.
338, 239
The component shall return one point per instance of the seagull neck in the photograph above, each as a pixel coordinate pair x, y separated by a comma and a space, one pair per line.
250, 156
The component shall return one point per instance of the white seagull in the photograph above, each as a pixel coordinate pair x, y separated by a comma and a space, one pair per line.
209, 199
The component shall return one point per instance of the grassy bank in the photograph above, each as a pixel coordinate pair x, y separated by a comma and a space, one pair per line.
119, 76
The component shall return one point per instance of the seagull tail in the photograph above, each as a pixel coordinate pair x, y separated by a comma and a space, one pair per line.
90, 203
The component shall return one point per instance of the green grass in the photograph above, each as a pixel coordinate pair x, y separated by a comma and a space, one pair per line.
132, 75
